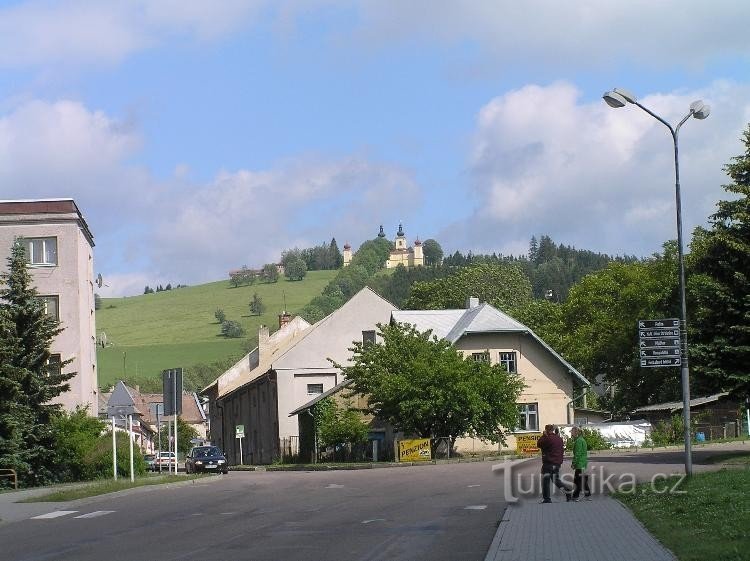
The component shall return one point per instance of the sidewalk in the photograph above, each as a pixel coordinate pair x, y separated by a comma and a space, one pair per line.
598, 530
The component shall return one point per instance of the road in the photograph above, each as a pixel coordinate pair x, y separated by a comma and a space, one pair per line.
433, 512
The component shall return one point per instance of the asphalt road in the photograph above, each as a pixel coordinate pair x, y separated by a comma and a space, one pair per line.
428, 512
432, 512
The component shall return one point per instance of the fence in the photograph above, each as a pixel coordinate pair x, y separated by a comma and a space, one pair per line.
712, 432
10, 474
289, 449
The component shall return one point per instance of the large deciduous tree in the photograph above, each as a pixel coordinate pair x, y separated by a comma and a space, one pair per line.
433, 253
503, 285
424, 386
720, 287
28, 381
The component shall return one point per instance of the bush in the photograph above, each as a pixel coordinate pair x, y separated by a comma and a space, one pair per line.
220, 315
594, 440
669, 432
76, 434
98, 460
232, 329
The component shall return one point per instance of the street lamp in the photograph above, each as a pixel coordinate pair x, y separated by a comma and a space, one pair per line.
619, 98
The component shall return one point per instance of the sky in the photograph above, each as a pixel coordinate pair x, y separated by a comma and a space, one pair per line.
198, 137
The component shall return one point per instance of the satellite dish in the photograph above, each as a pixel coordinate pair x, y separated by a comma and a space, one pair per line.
100, 281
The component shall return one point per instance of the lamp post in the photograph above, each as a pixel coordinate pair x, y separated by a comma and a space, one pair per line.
619, 98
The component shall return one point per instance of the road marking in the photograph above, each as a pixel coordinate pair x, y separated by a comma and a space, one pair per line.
95, 514
473, 486
373, 520
475, 507
334, 486
55, 514
197, 514
227, 513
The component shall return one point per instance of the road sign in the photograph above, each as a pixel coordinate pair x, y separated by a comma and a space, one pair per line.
655, 362
651, 333
659, 343
658, 323
672, 352
239, 431
172, 391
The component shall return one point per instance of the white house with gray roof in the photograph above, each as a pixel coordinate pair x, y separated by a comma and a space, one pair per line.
488, 334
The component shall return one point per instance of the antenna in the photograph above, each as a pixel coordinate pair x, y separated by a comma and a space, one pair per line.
283, 295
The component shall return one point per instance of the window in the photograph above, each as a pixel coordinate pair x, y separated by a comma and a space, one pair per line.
528, 417
53, 365
508, 360
40, 251
481, 357
368, 338
314, 389
51, 306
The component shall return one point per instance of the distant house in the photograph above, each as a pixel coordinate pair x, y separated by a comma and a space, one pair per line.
716, 416
487, 334
146, 417
60, 253
288, 369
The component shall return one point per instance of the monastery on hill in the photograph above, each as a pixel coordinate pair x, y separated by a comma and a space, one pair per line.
400, 253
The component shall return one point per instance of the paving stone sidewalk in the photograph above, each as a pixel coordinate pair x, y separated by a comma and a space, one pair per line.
598, 530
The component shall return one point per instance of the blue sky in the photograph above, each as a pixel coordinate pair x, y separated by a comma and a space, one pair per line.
198, 137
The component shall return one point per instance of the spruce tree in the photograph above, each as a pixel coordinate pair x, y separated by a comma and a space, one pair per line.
720, 285
30, 333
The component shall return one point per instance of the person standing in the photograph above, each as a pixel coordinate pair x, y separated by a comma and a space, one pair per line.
580, 463
552, 448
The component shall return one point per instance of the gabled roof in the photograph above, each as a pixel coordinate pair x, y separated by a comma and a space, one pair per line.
452, 325
677, 405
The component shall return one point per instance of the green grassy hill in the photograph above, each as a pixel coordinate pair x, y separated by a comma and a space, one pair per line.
151, 332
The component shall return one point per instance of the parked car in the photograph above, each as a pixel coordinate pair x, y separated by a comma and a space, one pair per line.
206, 459
165, 460
150, 460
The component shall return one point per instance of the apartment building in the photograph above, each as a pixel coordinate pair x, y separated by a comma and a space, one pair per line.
59, 247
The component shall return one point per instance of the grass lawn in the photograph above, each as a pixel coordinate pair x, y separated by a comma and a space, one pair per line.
178, 328
711, 520
731, 458
107, 486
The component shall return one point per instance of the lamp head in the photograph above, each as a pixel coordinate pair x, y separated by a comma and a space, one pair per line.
619, 97
700, 110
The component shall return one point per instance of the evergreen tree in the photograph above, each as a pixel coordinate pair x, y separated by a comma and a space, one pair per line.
26, 372
533, 249
720, 285
256, 305
336, 258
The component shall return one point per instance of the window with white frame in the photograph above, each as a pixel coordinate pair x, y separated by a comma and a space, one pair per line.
314, 389
40, 251
481, 357
508, 360
528, 417
51, 306
54, 365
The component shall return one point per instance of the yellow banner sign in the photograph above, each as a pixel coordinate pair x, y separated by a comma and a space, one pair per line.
416, 450
526, 443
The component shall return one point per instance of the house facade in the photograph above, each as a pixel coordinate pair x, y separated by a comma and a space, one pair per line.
487, 334
59, 247
290, 368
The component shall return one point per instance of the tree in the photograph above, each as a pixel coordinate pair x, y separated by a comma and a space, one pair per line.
232, 329
720, 284
338, 425
220, 315
503, 285
185, 433
335, 256
270, 273
295, 269
256, 305
424, 386
28, 374
433, 253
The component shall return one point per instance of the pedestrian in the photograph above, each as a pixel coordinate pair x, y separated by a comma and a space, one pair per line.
551, 446
580, 463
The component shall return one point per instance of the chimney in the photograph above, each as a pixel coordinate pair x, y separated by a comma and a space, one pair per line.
472, 302
263, 337
284, 318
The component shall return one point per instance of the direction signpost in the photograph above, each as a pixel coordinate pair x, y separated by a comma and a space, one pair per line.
659, 342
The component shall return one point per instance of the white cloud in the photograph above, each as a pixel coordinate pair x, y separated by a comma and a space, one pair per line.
45, 32
567, 34
546, 163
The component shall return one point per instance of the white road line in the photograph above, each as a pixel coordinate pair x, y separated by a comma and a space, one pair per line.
55, 514
95, 514
473, 485
334, 486
227, 513
373, 520
475, 507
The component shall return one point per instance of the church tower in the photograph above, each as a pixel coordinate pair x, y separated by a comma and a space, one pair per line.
347, 254
418, 256
400, 238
